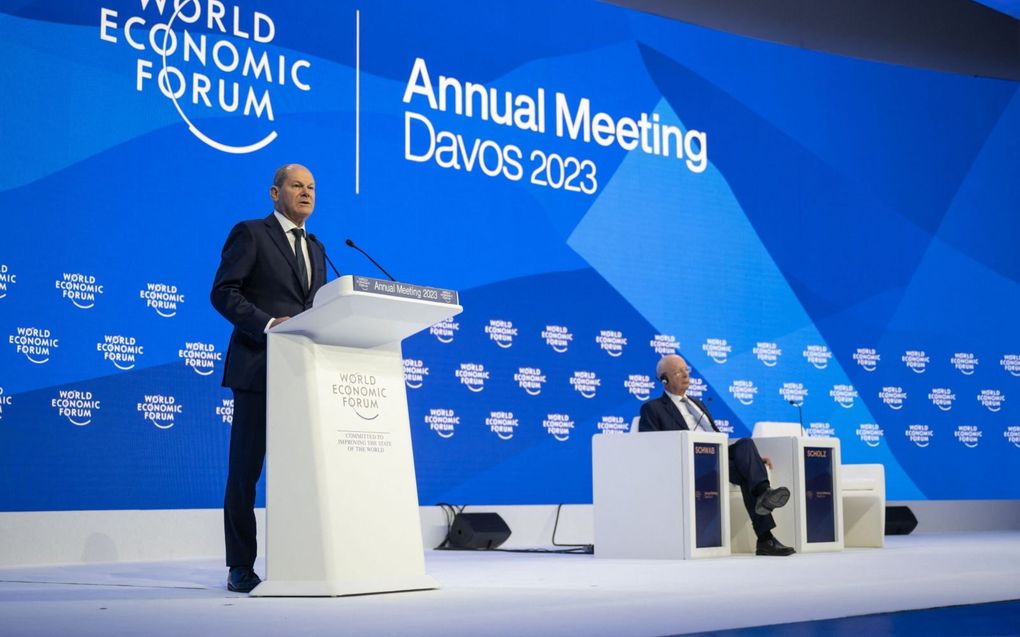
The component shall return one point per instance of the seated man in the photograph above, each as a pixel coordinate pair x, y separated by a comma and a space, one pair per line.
676, 410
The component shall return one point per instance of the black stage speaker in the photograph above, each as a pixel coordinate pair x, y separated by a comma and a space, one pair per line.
899, 521
477, 531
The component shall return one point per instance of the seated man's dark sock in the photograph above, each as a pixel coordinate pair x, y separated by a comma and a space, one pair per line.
765, 536
761, 488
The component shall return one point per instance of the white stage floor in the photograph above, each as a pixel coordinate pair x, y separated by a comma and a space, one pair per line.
525, 594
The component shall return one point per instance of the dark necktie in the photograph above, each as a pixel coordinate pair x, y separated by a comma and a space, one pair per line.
302, 269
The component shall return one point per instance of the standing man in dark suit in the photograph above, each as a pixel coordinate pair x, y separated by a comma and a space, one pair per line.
676, 410
269, 271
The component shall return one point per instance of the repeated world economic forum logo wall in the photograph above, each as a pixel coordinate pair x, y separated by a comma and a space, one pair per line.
535, 372
480, 173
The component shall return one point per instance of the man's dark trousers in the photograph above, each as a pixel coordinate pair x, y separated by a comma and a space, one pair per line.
748, 471
247, 455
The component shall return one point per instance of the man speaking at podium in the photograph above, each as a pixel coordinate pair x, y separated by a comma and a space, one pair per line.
269, 271
676, 410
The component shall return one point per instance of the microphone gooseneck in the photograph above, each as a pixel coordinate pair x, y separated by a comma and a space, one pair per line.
311, 237
800, 413
351, 244
708, 401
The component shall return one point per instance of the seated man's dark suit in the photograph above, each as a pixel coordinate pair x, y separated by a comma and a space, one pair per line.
256, 282
747, 470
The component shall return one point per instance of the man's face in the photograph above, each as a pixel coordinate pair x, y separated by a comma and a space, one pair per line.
295, 197
678, 376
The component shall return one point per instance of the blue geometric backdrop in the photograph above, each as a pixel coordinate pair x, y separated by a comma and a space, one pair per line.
834, 232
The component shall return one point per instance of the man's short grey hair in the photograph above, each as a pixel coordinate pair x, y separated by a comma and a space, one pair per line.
659, 366
281, 174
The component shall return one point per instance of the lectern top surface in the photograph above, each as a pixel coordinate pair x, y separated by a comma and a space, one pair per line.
361, 312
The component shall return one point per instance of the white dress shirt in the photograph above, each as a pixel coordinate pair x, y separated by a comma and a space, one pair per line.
287, 226
694, 416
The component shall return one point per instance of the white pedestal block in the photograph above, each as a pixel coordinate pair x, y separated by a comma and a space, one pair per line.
661, 495
812, 521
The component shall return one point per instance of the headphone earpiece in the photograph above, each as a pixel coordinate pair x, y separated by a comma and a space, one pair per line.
663, 379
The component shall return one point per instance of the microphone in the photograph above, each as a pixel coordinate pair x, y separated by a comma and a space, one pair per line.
800, 412
351, 244
328, 260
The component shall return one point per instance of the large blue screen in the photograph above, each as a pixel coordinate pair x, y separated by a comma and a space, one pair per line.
813, 233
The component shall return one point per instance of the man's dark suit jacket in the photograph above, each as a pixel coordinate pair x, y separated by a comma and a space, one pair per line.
256, 282
662, 414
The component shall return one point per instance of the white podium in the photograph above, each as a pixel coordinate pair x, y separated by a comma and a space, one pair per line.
661, 495
810, 467
341, 499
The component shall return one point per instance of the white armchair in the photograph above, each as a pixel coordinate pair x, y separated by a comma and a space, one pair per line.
769, 429
742, 537
863, 505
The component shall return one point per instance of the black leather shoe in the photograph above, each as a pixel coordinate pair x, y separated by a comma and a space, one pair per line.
773, 547
242, 579
771, 499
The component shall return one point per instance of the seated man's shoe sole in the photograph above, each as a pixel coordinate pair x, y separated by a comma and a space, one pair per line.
774, 548
242, 581
772, 499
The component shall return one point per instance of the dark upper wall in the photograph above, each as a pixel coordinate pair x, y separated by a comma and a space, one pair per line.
958, 36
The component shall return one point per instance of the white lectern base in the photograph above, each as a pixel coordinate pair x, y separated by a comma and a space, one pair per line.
344, 587
338, 443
